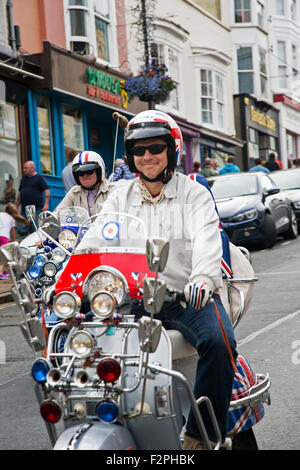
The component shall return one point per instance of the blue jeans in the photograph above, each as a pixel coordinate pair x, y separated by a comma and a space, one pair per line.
214, 374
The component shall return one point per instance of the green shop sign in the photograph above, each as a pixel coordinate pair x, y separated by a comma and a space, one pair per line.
106, 87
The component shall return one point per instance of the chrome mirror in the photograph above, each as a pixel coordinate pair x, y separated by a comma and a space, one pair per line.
23, 295
11, 256
30, 212
154, 295
49, 224
157, 251
149, 334
33, 332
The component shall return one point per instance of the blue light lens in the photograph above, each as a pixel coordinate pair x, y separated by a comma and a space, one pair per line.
107, 411
39, 370
35, 271
39, 260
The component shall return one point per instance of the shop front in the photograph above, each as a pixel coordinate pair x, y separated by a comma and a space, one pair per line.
257, 123
14, 138
289, 128
72, 110
218, 146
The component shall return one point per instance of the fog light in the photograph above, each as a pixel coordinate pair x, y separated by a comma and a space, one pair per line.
103, 305
50, 411
107, 411
109, 370
81, 344
39, 370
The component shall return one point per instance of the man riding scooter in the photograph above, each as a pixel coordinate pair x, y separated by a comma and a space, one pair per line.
92, 188
175, 207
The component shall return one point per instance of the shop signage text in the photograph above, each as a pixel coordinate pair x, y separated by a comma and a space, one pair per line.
262, 119
106, 87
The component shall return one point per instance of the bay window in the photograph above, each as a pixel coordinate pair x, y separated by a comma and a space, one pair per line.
212, 98
245, 70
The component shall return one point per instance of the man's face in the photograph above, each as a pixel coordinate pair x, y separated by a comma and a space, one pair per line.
29, 169
154, 158
88, 178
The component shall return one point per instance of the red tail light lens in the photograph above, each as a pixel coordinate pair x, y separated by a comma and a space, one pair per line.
50, 411
109, 370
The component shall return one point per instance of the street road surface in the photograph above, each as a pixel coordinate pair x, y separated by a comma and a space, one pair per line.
269, 336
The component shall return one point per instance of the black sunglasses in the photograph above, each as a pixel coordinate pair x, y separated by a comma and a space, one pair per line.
154, 149
86, 172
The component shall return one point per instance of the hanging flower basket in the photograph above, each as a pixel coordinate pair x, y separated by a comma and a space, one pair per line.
152, 84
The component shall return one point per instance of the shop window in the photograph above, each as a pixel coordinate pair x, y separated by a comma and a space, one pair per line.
253, 145
291, 146
45, 135
242, 11
90, 27
171, 58
73, 127
9, 154
245, 70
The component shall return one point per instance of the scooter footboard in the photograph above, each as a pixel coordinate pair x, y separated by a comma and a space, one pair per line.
95, 436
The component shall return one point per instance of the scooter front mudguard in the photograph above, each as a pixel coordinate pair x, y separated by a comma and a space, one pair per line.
96, 436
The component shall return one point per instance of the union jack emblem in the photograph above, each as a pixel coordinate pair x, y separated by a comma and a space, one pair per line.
76, 277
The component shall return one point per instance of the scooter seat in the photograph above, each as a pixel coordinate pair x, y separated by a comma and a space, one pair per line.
181, 348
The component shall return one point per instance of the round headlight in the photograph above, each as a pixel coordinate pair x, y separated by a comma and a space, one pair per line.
65, 304
67, 238
103, 305
58, 255
108, 282
81, 344
50, 269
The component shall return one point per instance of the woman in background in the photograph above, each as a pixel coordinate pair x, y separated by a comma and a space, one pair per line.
8, 220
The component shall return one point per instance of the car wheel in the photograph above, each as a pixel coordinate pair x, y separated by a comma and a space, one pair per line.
270, 231
292, 232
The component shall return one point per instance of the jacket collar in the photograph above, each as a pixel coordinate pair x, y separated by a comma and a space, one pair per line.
170, 190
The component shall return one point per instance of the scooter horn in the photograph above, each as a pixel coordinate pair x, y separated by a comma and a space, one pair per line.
54, 376
81, 378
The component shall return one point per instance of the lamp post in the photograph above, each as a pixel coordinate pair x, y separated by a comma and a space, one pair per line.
146, 41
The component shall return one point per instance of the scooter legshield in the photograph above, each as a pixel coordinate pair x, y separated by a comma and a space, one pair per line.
97, 436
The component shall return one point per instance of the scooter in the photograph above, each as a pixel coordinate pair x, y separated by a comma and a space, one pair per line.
124, 382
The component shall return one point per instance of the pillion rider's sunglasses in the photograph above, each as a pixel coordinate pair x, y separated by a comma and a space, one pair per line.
85, 172
154, 149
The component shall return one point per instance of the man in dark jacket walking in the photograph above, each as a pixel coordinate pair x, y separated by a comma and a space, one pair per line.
271, 164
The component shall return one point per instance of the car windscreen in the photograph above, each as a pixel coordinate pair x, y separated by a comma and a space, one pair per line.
234, 186
287, 180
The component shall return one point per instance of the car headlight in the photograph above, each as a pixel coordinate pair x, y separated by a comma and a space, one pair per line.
67, 238
248, 215
296, 205
103, 305
106, 281
65, 304
49, 269
58, 255
81, 344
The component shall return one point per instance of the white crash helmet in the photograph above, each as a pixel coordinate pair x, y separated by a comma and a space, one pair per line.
88, 160
154, 123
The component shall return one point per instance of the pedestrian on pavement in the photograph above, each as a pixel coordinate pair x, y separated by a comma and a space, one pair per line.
271, 164
259, 167
196, 167
33, 190
8, 220
118, 162
123, 172
214, 165
67, 175
207, 170
229, 167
